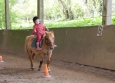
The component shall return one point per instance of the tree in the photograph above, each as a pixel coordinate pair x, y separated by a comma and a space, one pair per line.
2, 14
66, 8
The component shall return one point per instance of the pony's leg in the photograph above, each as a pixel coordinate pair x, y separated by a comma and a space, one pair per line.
48, 61
33, 56
31, 63
31, 60
40, 65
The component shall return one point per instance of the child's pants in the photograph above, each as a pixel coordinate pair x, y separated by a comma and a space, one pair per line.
39, 37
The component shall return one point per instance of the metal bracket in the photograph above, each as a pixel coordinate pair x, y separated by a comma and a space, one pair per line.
100, 30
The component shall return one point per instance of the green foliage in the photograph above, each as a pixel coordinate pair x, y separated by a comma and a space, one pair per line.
51, 11
63, 23
113, 20
22, 12
78, 11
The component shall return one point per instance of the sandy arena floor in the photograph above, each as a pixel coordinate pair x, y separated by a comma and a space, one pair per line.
16, 69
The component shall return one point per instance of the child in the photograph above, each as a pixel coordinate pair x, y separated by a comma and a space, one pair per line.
39, 30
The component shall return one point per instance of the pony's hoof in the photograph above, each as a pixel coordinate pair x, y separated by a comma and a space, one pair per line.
49, 70
39, 69
33, 69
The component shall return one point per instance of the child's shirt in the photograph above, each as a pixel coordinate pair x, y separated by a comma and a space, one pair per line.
38, 29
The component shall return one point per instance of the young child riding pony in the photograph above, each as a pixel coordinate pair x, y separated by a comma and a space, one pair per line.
39, 30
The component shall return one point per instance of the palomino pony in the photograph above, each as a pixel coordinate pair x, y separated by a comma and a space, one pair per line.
47, 48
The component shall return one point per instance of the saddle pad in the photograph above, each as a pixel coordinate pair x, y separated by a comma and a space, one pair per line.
34, 43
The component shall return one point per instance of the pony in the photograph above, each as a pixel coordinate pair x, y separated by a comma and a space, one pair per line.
47, 48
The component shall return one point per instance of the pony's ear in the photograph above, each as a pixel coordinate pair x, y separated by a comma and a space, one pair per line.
45, 34
52, 32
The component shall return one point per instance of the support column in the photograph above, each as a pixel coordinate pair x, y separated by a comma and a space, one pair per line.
7, 15
40, 10
107, 12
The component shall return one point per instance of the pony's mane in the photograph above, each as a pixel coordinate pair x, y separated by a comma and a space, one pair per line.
51, 34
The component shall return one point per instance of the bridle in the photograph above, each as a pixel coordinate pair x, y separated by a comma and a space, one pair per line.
47, 42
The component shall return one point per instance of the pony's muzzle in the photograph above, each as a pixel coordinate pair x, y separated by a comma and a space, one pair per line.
51, 48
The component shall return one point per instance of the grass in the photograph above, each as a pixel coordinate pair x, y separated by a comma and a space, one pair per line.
74, 23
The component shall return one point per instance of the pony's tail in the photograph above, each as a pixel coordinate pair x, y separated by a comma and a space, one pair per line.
26, 45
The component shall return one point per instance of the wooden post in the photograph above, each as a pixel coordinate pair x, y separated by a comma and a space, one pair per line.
7, 15
107, 12
40, 10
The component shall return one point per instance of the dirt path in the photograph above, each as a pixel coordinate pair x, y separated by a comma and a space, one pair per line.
16, 70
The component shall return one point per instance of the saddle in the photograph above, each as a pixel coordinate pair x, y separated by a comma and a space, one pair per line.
33, 44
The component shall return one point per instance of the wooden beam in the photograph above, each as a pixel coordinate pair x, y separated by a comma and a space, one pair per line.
40, 10
107, 12
7, 15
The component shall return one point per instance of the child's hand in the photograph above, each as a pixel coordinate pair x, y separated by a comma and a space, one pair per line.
40, 32
46, 29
